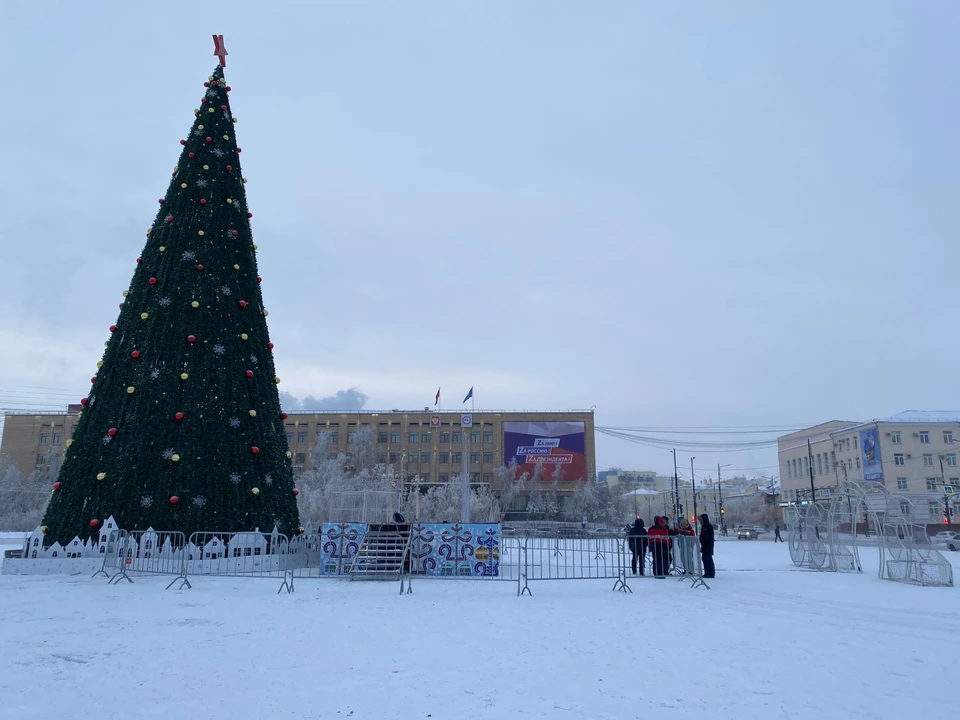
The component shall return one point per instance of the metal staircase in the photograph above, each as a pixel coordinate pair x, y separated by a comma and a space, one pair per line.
384, 554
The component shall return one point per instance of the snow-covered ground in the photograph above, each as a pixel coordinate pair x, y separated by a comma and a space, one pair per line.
767, 641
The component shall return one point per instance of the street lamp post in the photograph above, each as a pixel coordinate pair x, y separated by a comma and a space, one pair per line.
723, 530
693, 486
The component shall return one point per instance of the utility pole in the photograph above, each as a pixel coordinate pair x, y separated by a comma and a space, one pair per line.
946, 495
677, 508
720, 495
813, 489
693, 485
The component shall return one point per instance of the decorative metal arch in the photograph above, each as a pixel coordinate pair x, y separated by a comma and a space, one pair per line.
826, 536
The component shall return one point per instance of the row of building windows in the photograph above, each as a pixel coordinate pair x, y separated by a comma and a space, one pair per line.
51, 438
800, 467
896, 438
443, 458
413, 438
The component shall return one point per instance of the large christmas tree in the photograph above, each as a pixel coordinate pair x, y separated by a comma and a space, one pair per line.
182, 429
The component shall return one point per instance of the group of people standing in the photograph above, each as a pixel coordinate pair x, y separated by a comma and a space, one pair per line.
670, 545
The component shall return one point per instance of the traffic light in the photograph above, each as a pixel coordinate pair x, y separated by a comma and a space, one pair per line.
721, 511
693, 518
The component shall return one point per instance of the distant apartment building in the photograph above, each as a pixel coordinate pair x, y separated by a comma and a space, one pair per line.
625, 480
910, 453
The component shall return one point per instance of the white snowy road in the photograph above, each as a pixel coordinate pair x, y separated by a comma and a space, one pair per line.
767, 641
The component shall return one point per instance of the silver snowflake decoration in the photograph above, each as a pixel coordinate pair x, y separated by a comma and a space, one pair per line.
253, 359
168, 453
267, 480
146, 501
188, 255
107, 439
199, 501
218, 152
154, 374
211, 92
234, 422
164, 302
235, 478
219, 349
226, 290
202, 182
198, 132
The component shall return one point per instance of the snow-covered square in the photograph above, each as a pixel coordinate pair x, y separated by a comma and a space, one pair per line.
767, 640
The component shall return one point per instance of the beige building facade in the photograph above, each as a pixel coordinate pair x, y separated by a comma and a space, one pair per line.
425, 446
911, 452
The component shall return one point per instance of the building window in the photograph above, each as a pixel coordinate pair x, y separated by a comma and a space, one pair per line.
289, 438
425, 437
857, 461
898, 459
444, 458
796, 470
833, 458
457, 437
488, 478
955, 482
381, 437
381, 457
848, 444
457, 458
901, 483
932, 484
924, 437
394, 437
425, 458
394, 458
895, 437
487, 437
950, 459
57, 438
45, 439
333, 436
413, 458
443, 477
351, 437
413, 437
789, 469
819, 465
935, 509
488, 458
474, 458
475, 437
444, 438
302, 437
474, 478
947, 437
927, 460
300, 458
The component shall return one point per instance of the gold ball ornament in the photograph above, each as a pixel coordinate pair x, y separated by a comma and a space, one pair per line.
289, 454
266, 312
255, 246
229, 201
255, 491
199, 127
144, 316
69, 443
163, 249
176, 168
43, 528
80, 414
226, 137
195, 304
243, 336
244, 181
99, 363
196, 111
183, 186
101, 476
200, 233
209, 110
175, 457
131, 390
149, 230
234, 119
277, 380
183, 376
253, 413
206, 167
126, 293
236, 267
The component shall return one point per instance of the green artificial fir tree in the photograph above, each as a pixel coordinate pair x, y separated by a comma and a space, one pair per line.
182, 429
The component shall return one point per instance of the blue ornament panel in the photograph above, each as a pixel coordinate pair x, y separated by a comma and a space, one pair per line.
455, 550
339, 543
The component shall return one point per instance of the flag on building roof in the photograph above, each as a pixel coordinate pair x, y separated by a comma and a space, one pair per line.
469, 395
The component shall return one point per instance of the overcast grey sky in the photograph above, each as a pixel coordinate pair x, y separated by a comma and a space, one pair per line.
684, 213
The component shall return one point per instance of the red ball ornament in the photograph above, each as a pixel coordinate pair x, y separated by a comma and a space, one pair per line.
213, 83
192, 155
94, 523
112, 432
209, 139
270, 345
169, 218
259, 279
206, 84
84, 401
249, 215
229, 168
174, 499
135, 354
152, 281
283, 416
234, 233
160, 201
93, 379
228, 88
183, 142
249, 373
223, 107
139, 260
296, 492
239, 150
121, 306
200, 268
178, 416
203, 101
113, 328
203, 201
242, 303
255, 450
191, 338
56, 486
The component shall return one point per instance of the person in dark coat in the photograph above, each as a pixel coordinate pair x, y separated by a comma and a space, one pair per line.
638, 545
659, 539
706, 546
776, 533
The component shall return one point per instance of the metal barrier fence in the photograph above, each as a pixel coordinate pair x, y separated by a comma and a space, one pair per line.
145, 552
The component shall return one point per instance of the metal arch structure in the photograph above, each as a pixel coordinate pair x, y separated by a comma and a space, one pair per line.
824, 536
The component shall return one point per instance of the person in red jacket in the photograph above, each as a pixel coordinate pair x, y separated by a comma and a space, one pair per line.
658, 538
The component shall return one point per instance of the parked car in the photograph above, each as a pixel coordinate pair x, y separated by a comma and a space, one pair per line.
747, 533
570, 531
949, 538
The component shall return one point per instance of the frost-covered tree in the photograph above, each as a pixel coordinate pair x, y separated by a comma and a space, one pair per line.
22, 498
442, 503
